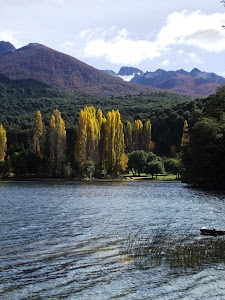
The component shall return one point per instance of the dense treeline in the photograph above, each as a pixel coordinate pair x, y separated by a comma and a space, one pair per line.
20, 100
204, 155
50, 144
97, 146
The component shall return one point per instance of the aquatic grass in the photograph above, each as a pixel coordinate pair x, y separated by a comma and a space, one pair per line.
173, 249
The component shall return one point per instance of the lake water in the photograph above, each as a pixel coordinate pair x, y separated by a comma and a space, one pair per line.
66, 240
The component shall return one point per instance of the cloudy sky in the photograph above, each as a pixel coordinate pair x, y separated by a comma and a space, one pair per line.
109, 34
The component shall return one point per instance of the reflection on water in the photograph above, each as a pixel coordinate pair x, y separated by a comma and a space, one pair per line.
66, 240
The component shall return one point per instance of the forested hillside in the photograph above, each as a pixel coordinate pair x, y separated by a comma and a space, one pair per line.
20, 100
163, 113
203, 156
63, 72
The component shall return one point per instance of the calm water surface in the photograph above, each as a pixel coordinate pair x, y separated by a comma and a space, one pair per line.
64, 240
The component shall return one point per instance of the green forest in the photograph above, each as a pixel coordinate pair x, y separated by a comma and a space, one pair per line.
43, 134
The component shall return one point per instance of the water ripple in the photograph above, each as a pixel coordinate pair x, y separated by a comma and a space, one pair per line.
57, 242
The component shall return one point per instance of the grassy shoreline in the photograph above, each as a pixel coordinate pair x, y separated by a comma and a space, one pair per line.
127, 177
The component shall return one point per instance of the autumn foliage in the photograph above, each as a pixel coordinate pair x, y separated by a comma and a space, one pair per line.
101, 140
3, 145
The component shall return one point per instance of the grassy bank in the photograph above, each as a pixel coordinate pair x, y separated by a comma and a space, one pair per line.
159, 177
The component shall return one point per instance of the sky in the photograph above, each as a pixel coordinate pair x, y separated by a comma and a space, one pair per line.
109, 34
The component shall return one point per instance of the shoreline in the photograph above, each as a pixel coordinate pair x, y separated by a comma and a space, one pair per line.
118, 179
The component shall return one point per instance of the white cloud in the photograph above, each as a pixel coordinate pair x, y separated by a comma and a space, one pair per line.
120, 49
57, 2
222, 74
194, 29
7, 36
194, 58
67, 44
182, 28
165, 62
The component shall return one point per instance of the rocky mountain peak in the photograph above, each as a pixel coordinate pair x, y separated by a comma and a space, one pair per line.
6, 47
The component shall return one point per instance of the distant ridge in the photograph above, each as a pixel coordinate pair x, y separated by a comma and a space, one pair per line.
63, 72
192, 84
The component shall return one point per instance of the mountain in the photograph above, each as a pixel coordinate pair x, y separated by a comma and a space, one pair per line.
63, 72
125, 73
192, 84
109, 72
5, 47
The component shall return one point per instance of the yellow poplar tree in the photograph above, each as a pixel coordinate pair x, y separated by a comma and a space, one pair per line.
88, 134
57, 140
99, 117
147, 136
82, 136
52, 140
185, 137
38, 132
3, 143
102, 145
116, 160
138, 135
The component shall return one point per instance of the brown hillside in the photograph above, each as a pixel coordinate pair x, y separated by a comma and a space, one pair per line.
63, 72
189, 86
192, 84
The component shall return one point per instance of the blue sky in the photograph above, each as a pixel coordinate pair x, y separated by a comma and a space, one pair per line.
109, 34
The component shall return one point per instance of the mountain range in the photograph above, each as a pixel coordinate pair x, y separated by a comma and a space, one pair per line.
192, 84
67, 73
61, 71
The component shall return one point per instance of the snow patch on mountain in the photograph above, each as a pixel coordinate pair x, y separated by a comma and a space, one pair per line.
129, 77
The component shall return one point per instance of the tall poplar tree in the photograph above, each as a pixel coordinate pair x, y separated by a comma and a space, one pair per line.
147, 136
128, 137
185, 137
138, 135
57, 142
102, 146
88, 135
116, 160
3, 143
38, 132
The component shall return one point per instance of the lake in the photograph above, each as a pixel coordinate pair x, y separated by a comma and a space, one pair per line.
68, 240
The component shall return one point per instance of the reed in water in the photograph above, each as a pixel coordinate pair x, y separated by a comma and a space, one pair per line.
174, 249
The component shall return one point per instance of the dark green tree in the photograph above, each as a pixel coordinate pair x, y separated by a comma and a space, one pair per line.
173, 166
154, 167
4, 168
137, 161
204, 159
